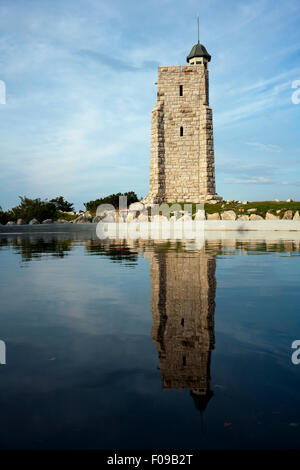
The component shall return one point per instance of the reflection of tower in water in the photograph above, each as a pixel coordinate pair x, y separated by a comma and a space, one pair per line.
183, 304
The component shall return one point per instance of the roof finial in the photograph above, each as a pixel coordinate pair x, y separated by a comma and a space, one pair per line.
198, 29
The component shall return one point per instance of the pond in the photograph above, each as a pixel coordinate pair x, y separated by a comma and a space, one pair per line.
132, 344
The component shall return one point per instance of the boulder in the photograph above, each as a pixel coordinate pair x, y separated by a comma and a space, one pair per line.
244, 217
200, 215
288, 215
109, 218
47, 221
10, 222
159, 218
289, 200
62, 221
229, 201
81, 220
255, 217
143, 217
213, 201
97, 218
215, 216
88, 214
278, 211
33, 222
296, 216
245, 202
228, 215
252, 210
270, 216
185, 218
131, 217
21, 222
136, 206
277, 200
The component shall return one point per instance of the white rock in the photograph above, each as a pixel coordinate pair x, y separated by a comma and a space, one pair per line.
33, 222
213, 201
215, 216
47, 221
136, 206
21, 222
270, 216
10, 222
143, 218
244, 217
109, 218
255, 217
131, 217
200, 215
289, 200
81, 220
296, 216
159, 218
185, 218
277, 200
252, 210
288, 215
61, 221
245, 202
228, 215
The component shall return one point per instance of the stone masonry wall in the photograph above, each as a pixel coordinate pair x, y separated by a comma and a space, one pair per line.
182, 167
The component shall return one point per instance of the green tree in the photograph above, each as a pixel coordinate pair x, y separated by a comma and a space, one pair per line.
62, 205
112, 199
33, 208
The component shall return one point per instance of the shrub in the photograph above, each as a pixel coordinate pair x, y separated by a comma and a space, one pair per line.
62, 205
33, 208
111, 199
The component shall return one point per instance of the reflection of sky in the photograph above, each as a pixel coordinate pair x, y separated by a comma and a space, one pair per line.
82, 370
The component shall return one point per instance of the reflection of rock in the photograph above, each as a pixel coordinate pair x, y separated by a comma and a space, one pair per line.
182, 304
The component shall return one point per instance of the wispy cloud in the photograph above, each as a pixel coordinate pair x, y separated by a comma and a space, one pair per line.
265, 147
80, 80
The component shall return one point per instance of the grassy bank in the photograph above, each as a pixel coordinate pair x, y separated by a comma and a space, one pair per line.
262, 207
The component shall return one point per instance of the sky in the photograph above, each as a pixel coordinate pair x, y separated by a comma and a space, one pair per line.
80, 86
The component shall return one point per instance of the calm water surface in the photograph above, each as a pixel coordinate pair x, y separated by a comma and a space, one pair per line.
115, 345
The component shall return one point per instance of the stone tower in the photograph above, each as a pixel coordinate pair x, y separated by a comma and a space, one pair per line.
182, 165
183, 304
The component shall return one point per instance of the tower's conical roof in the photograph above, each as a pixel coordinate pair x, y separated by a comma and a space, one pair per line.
198, 50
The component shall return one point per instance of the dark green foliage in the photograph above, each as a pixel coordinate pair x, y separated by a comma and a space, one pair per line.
62, 205
4, 217
112, 199
33, 208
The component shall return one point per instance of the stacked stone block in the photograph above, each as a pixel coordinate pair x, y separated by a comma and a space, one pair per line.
182, 166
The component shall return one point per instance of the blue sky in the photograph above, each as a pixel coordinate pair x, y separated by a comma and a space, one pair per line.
80, 86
